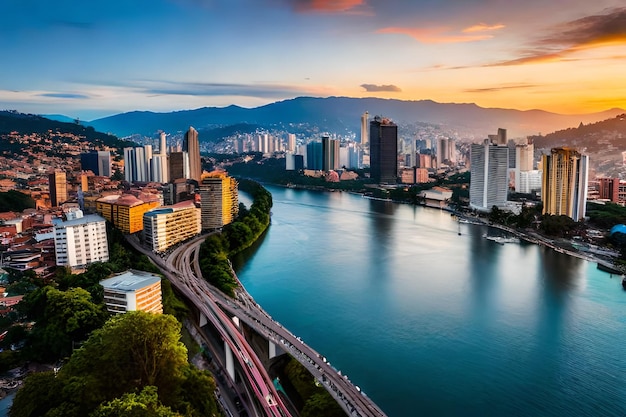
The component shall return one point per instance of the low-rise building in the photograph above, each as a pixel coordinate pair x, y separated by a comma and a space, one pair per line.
80, 240
133, 290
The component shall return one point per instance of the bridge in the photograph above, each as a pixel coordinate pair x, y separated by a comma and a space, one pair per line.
226, 314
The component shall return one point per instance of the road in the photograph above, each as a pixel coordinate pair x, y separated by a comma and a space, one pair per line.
182, 267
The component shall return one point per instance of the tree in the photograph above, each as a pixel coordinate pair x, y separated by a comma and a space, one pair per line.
144, 404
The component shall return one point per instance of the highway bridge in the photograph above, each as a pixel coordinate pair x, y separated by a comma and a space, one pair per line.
181, 267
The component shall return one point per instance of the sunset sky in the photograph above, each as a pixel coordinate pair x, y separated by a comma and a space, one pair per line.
97, 58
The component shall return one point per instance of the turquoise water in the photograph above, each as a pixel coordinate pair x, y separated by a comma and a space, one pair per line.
428, 322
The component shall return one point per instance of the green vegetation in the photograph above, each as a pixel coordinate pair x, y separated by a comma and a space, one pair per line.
15, 201
235, 237
528, 215
606, 215
317, 401
134, 362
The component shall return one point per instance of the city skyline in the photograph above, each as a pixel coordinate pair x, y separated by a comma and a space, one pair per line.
169, 55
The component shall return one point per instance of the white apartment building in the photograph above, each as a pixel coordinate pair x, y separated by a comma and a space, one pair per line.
80, 240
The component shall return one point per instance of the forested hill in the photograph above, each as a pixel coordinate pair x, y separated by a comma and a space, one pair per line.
26, 124
594, 137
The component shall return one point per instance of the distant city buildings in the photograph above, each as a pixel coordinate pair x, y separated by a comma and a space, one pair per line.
80, 240
166, 226
489, 183
330, 154
133, 290
57, 182
564, 186
383, 150
364, 128
219, 200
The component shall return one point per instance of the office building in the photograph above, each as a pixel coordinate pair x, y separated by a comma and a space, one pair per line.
489, 179
133, 290
125, 211
383, 142
137, 164
330, 154
178, 165
524, 162
219, 200
314, 156
57, 183
166, 226
564, 185
365, 128
98, 162
159, 168
191, 145
80, 240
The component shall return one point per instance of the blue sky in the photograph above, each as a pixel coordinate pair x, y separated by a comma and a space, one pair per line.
96, 58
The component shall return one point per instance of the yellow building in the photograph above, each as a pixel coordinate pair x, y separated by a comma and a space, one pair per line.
133, 290
125, 211
219, 200
166, 226
564, 183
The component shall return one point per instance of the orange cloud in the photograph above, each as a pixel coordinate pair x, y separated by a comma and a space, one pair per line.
328, 6
435, 35
481, 27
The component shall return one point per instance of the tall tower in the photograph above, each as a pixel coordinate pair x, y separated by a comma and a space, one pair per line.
219, 200
489, 178
163, 144
57, 184
364, 128
330, 154
564, 183
383, 150
191, 145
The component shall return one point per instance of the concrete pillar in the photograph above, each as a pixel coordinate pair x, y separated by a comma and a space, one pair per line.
203, 320
230, 363
272, 349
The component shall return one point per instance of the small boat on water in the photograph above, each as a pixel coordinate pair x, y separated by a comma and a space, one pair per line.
501, 239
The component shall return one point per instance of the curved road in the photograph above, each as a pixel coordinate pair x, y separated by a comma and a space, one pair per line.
182, 268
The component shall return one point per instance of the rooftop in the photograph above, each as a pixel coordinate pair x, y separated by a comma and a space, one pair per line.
130, 280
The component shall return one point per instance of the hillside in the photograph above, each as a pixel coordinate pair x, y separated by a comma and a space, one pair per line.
27, 124
603, 141
342, 114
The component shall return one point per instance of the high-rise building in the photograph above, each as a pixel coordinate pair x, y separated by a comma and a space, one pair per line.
166, 226
163, 143
159, 168
80, 240
57, 184
383, 142
178, 165
524, 158
291, 142
488, 174
330, 154
137, 163
98, 162
314, 155
219, 200
191, 145
365, 128
133, 290
564, 185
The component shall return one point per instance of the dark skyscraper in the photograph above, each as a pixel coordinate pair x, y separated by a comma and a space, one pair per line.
98, 162
330, 154
57, 182
314, 155
191, 145
383, 150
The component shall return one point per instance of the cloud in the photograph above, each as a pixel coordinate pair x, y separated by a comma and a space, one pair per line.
570, 37
64, 95
327, 6
500, 88
370, 88
442, 35
481, 27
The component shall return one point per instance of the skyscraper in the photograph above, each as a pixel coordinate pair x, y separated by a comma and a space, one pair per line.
219, 200
57, 184
489, 179
524, 158
178, 165
383, 150
191, 145
314, 155
364, 128
98, 162
330, 154
137, 164
564, 185
163, 144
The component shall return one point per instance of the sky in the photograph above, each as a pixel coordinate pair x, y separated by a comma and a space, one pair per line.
102, 57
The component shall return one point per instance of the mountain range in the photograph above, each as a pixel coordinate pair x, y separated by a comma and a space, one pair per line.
342, 114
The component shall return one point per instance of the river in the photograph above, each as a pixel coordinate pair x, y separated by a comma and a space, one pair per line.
429, 322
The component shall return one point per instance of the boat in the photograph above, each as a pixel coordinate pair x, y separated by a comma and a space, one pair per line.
624, 282
501, 239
